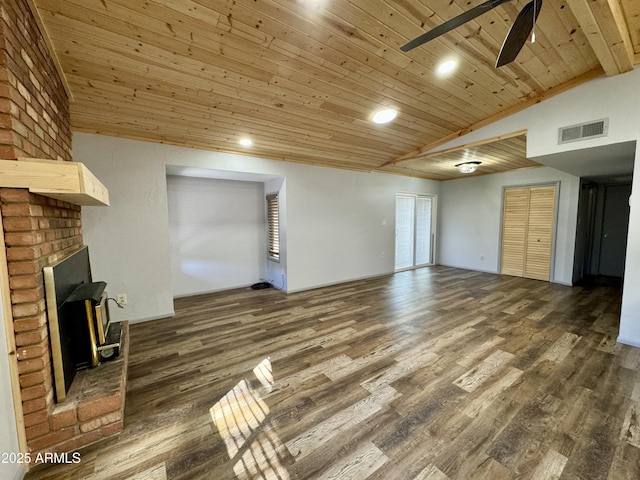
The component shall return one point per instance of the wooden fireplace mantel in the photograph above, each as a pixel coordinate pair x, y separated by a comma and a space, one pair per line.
67, 181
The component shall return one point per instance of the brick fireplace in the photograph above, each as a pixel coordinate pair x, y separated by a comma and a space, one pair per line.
38, 231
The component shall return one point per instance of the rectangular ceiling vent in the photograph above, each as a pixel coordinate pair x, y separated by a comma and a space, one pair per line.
584, 131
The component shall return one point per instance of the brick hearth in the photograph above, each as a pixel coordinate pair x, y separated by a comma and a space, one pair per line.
93, 409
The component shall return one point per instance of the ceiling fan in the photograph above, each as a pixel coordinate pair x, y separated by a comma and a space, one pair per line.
513, 42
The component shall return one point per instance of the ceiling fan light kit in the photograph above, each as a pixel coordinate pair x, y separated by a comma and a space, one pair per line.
514, 41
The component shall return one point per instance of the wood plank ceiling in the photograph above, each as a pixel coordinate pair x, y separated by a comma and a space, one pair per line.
302, 78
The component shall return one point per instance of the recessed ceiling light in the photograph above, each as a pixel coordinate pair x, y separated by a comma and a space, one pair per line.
446, 67
246, 142
384, 116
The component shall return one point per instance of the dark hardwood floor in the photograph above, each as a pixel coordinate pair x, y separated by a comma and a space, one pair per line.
434, 374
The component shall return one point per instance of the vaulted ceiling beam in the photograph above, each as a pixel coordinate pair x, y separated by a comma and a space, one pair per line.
605, 27
471, 145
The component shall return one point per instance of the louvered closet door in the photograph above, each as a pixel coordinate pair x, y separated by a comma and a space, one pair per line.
514, 230
542, 202
527, 231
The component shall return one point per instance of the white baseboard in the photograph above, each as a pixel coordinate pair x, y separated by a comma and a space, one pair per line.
172, 313
338, 282
628, 341
468, 268
214, 290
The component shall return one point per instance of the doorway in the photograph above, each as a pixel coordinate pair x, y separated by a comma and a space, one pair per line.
415, 231
603, 223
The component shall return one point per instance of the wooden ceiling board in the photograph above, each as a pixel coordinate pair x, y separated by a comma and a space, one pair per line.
162, 75
631, 10
480, 84
303, 77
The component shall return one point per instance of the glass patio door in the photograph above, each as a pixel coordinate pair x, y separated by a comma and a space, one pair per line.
414, 231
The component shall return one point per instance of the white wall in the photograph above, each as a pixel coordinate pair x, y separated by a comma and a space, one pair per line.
129, 241
335, 224
471, 216
616, 98
332, 219
216, 234
9, 435
630, 314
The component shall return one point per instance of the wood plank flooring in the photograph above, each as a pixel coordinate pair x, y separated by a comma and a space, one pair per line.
432, 374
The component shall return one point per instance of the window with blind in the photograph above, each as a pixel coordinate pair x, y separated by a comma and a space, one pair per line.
273, 227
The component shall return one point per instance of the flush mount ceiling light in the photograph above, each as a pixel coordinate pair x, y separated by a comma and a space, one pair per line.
384, 116
246, 142
468, 167
446, 67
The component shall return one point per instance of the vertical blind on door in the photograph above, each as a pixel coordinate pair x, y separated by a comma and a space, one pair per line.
273, 227
413, 230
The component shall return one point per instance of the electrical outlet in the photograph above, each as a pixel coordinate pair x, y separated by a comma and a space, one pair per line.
381, 254
121, 299
482, 258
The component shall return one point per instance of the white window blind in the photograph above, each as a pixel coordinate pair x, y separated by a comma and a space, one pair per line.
405, 222
273, 227
413, 230
423, 230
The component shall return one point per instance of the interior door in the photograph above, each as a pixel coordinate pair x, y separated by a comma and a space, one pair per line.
542, 202
615, 224
515, 208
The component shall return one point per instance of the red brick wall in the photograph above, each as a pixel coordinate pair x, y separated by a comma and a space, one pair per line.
38, 231
35, 122
34, 107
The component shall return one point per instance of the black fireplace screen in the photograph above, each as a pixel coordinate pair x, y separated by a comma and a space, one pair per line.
78, 317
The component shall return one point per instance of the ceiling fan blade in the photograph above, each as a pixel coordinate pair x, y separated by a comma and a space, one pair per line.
455, 22
519, 32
